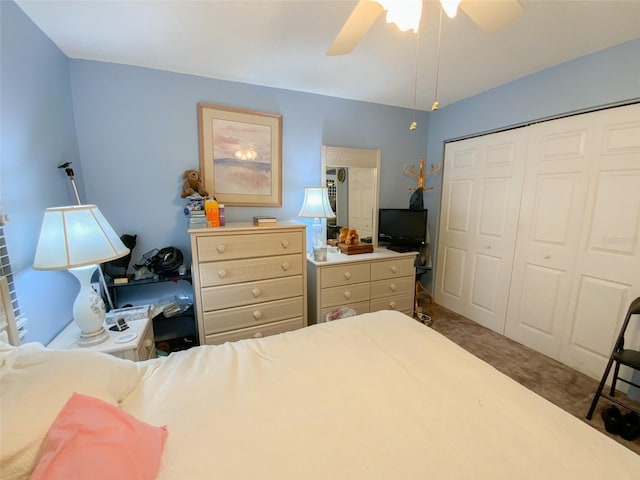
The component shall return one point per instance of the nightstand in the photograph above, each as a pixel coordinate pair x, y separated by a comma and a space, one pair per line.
142, 347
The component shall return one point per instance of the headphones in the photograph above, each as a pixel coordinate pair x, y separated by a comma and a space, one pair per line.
167, 260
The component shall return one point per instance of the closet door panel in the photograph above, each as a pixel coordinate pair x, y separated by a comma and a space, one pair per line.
537, 316
593, 327
454, 263
481, 196
455, 228
607, 273
493, 244
551, 217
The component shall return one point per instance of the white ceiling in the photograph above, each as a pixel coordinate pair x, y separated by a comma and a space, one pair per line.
282, 43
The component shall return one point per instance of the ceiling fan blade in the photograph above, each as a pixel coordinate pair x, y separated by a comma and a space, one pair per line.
356, 26
492, 15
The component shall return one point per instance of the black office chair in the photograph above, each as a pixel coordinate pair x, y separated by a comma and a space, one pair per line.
619, 356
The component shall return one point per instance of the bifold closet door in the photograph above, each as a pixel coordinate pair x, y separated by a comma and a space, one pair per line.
552, 213
607, 271
480, 201
577, 257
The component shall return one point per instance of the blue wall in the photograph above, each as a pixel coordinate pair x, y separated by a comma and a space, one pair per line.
602, 78
37, 134
136, 133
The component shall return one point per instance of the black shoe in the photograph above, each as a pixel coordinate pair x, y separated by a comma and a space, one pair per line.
612, 420
630, 426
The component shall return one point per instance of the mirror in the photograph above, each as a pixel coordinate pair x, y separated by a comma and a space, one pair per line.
352, 177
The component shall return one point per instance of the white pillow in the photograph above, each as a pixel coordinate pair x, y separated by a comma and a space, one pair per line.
35, 383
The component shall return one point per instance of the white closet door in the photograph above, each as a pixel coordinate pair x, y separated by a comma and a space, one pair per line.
607, 272
554, 192
480, 202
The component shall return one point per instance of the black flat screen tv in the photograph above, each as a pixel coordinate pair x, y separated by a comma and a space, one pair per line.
401, 229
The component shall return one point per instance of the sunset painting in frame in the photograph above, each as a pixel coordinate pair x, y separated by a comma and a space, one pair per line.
241, 155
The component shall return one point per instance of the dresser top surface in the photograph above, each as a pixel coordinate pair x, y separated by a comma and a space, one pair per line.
379, 253
235, 227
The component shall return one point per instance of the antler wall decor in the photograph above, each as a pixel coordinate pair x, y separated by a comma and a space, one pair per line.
420, 176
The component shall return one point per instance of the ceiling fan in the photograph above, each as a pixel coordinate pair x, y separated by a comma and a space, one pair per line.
489, 15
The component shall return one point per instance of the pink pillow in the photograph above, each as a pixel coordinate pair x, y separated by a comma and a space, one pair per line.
93, 439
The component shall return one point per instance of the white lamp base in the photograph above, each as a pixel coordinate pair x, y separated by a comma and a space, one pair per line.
88, 309
87, 340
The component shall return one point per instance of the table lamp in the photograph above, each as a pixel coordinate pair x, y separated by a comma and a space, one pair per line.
316, 205
78, 238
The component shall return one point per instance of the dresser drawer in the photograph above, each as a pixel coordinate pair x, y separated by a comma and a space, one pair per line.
359, 292
237, 271
226, 247
345, 275
249, 316
360, 307
392, 286
401, 303
216, 298
402, 267
255, 332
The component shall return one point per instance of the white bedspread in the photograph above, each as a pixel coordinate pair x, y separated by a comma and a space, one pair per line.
373, 396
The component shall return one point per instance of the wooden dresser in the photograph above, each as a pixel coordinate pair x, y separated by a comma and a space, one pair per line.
382, 280
249, 281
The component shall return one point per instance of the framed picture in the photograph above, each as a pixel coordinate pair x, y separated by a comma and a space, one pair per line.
241, 155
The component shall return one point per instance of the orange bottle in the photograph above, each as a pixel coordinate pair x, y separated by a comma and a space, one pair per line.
211, 212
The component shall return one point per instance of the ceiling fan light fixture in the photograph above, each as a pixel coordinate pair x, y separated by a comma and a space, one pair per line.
405, 14
450, 7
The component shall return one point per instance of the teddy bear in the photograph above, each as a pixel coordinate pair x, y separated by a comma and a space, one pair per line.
352, 238
192, 184
342, 236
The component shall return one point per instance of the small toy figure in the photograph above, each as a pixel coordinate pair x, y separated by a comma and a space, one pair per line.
192, 184
342, 237
352, 238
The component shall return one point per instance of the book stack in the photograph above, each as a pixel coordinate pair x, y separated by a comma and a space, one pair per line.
263, 220
197, 219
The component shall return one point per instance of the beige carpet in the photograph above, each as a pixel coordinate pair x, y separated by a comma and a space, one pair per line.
561, 385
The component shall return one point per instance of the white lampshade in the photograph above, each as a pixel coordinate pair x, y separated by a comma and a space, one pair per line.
316, 203
76, 236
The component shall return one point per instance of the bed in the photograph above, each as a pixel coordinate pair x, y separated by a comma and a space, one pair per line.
374, 396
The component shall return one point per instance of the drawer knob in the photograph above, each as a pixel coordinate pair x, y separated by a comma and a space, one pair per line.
222, 274
285, 266
392, 305
394, 269
392, 287
221, 248
284, 243
147, 343
347, 275
547, 256
347, 294
257, 314
255, 292
258, 335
